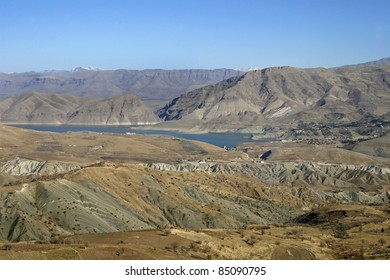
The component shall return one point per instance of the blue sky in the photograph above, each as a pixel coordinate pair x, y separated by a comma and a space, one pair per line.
112, 34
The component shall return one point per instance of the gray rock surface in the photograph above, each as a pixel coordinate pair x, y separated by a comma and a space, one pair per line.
344, 183
26, 167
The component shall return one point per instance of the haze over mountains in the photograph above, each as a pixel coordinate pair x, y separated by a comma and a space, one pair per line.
154, 84
151, 84
379, 62
282, 97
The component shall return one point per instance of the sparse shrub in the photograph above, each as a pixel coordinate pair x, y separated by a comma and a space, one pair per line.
292, 232
277, 242
206, 249
68, 241
166, 231
340, 232
362, 249
194, 246
54, 240
250, 240
6, 247
382, 241
175, 246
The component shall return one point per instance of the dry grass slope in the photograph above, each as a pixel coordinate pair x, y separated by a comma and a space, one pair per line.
101, 196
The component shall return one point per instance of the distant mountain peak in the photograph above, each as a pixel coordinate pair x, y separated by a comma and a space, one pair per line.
379, 62
87, 68
83, 82
248, 69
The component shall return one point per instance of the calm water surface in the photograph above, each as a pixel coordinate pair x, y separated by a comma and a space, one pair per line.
218, 139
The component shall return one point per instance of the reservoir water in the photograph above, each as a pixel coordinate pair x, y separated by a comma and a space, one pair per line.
229, 139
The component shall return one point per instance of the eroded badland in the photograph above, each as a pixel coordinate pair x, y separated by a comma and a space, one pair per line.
102, 196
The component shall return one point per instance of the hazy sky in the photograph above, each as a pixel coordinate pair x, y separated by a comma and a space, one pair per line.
50, 34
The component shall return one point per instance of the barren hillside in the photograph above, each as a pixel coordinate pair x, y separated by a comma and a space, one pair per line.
72, 189
285, 97
38, 108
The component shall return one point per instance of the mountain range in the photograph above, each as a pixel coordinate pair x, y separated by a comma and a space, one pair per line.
60, 109
379, 62
285, 96
155, 84
282, 97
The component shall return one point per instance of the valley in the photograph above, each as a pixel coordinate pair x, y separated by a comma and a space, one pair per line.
318, 105
308, 177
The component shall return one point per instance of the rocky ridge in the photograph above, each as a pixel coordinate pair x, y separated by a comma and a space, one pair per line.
153, 84
344, 183
379, 62
286, 97
188, 195
26, 167
101, 199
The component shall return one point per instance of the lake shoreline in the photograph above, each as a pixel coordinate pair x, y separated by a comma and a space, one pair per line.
221, 139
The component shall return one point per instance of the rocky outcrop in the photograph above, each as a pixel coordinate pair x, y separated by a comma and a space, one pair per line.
343, 183
27, 167
276, 168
